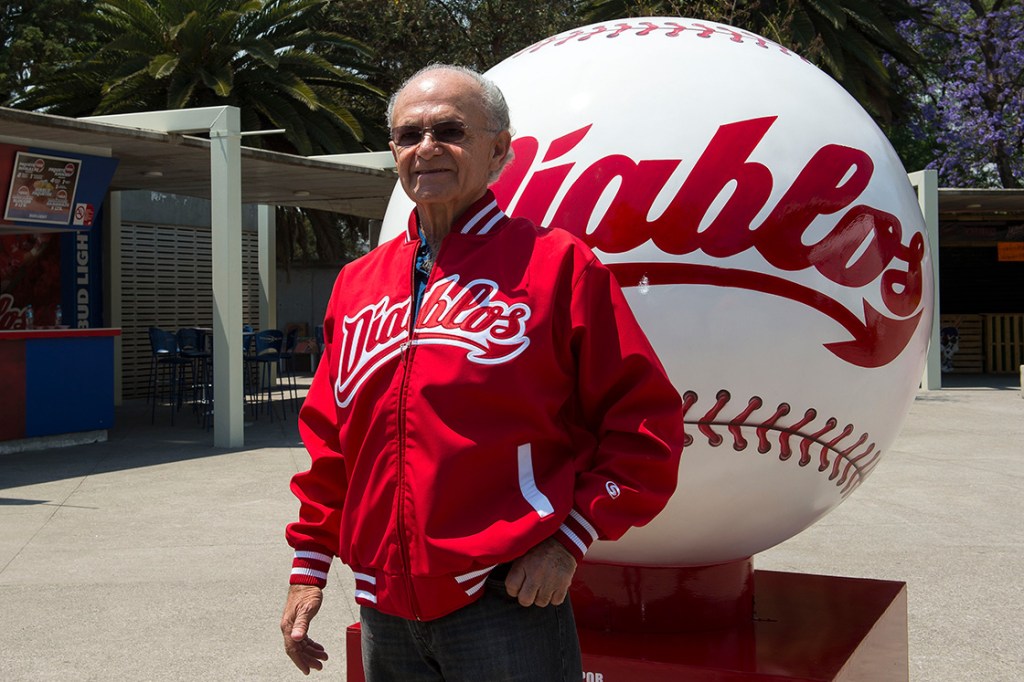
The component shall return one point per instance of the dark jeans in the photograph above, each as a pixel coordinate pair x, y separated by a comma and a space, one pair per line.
492, 640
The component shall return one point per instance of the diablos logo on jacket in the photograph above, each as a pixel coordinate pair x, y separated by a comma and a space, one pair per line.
471, 317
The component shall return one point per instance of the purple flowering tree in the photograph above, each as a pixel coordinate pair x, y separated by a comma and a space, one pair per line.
965, 110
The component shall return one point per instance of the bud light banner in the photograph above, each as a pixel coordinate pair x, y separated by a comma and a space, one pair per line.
81, 277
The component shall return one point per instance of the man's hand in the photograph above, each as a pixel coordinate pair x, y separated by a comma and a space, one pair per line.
303, 603
541, 576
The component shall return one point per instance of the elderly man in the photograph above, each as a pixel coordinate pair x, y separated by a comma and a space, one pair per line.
487, 408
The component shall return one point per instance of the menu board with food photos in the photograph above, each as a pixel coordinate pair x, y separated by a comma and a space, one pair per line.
42, 188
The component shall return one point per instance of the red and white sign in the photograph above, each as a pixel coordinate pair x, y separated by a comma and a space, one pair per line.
769, 242
84, 214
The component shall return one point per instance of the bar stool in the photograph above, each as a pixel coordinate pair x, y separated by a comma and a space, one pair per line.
318, 338
267, 354
192, 347
249, 367
167, 362
287, 375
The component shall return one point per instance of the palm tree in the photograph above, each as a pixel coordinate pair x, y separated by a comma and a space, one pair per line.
267, 57
846, 39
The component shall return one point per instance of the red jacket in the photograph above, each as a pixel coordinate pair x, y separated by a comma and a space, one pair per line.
526, 403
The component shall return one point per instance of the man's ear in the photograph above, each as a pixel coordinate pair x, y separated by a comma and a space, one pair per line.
502, 144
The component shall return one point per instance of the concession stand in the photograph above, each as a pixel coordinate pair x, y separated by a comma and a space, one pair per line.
63, 243
56, 357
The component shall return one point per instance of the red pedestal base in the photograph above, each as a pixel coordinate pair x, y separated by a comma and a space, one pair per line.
803, 628
663, 599
353, 655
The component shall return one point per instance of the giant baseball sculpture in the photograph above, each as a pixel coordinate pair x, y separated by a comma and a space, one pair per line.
767, 239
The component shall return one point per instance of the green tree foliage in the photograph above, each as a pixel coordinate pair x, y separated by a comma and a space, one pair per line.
36, 36
847, 39
410, 34
270, 58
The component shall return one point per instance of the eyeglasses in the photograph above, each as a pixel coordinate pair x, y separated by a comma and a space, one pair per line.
445, 132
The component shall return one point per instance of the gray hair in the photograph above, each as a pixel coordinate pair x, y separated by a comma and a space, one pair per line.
494, 102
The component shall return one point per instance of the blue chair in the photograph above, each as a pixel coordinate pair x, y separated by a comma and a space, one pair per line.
318, 336
266, 355
249, 367
193, 346
286, 368
166, 363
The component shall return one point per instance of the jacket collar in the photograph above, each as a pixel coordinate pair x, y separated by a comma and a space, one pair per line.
482, 217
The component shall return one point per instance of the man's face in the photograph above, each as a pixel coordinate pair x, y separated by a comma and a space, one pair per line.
446, 175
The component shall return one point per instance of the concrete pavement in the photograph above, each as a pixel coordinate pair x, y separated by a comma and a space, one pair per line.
155, 556
943, 512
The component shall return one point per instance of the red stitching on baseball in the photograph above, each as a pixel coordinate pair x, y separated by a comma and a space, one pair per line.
763, 446
862, 472
672, 29
856, 466
569, 37
808, 441
739, 442
785, 451
823, 457
714, 439
596, 32
689, 399
845, 455
651, 28
622, 28
679, 28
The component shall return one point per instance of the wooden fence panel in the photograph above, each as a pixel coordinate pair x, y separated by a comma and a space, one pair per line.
969, 354
1004, 343
167, 282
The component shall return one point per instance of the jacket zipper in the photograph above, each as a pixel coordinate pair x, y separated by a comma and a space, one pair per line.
406, 359
402, 534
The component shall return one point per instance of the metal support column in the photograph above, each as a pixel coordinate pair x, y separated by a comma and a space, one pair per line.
267, 226
226, 225
926, 183
224, 126
267, 233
